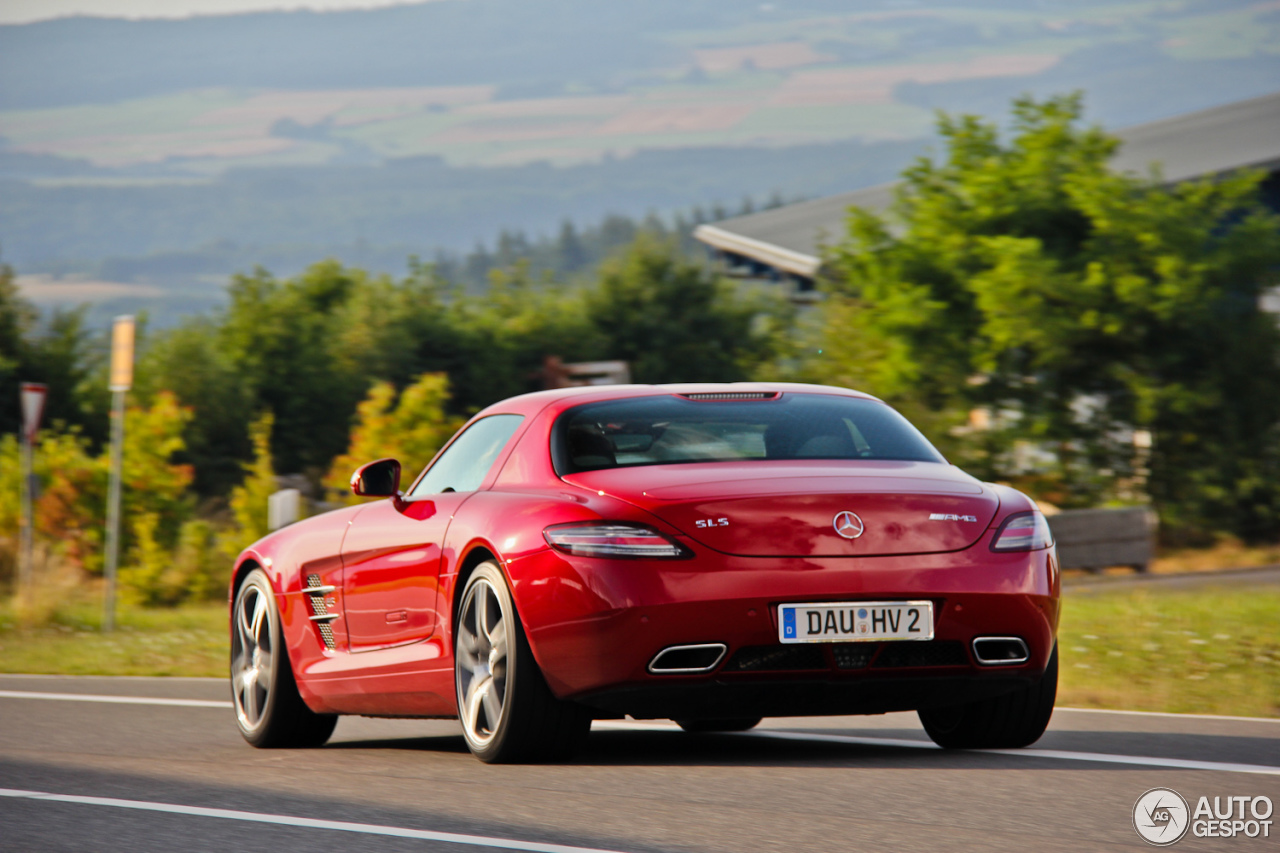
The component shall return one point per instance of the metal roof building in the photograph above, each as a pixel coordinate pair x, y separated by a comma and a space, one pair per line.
784, 244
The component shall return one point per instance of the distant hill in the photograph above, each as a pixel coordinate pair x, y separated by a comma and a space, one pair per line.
530, 46
169, 153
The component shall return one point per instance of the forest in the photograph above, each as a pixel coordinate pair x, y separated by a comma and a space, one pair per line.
1092, 338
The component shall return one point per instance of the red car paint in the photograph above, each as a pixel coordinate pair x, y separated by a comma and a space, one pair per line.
595, 623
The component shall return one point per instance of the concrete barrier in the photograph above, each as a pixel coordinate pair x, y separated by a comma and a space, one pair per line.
1094, 539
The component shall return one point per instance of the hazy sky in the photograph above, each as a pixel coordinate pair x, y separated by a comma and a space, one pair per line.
24, 11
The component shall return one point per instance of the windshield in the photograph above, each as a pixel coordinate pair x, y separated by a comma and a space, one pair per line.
675, 429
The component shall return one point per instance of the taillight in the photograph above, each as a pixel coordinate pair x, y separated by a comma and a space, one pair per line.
1026, 531
612, 539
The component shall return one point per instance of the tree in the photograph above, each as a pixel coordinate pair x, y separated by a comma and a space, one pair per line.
676, 322
71, 508
60, 353
411, 429
249, 499
280, 338
190, 362
1073, 306
17, 318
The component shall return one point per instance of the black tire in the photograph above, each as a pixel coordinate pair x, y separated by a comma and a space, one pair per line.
699, 727
496, 675
1011, 721
269, 711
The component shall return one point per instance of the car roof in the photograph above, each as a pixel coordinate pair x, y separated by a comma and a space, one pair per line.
563, 398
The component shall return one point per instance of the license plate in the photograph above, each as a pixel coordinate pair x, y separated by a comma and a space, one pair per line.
855, 621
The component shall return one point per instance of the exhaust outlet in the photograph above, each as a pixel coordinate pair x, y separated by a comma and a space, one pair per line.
676, 660
1000, 651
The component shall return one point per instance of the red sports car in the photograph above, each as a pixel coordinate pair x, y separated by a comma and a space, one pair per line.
711, 554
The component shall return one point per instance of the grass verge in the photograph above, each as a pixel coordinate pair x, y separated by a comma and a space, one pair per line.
189, 640
1213, 650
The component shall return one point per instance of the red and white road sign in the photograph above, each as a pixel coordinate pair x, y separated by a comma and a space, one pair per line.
33, 394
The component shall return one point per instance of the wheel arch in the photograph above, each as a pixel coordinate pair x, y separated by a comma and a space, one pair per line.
249, 560
240, 572
477, 553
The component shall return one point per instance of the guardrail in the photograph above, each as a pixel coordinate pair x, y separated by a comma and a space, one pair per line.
1094, 539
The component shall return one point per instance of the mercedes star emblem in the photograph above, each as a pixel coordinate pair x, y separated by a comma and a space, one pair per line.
848, 525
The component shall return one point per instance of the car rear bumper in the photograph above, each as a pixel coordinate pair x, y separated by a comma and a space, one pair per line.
595, 625
796, 697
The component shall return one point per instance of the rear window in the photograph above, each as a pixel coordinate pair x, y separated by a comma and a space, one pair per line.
669, 430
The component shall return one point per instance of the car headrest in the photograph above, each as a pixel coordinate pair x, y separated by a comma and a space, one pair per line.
590, 450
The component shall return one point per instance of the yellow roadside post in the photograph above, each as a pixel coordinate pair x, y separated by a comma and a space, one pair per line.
120, 381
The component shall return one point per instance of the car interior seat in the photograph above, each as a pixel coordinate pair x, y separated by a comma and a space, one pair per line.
591, 450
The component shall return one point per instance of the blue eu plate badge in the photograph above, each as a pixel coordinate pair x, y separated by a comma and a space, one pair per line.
788, 624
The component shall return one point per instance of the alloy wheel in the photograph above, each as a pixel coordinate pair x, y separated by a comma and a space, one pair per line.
252, 656
482, 662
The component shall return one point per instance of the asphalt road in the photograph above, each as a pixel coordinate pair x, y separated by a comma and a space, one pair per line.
100, 775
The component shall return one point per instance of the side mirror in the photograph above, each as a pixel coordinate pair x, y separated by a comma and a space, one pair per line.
380, 479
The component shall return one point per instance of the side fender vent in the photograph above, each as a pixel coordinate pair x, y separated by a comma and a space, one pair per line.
316, 591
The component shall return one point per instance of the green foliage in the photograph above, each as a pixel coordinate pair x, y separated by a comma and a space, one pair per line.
410, 429
309, 348
249, 499
60, 353
153, 483
191, 363
200, 570
144, 577
280, 337
1070, 305
17, 316
676, 322
196, 568
501, 339
70, 510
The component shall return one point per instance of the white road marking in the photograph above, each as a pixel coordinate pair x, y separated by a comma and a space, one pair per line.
1031, 752
631, 725
1170, 715
305, 822
210, 703
118, 700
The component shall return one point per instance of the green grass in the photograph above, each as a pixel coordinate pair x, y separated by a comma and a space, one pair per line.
1213, 650
1209, 650
190, 641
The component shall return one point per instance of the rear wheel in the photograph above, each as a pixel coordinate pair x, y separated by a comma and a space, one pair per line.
508, 712
724, 725
1011, 721
269, 710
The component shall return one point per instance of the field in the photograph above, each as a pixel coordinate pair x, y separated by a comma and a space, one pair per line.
788, 78
1210, 651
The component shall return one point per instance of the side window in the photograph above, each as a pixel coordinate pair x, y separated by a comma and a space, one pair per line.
463, 467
